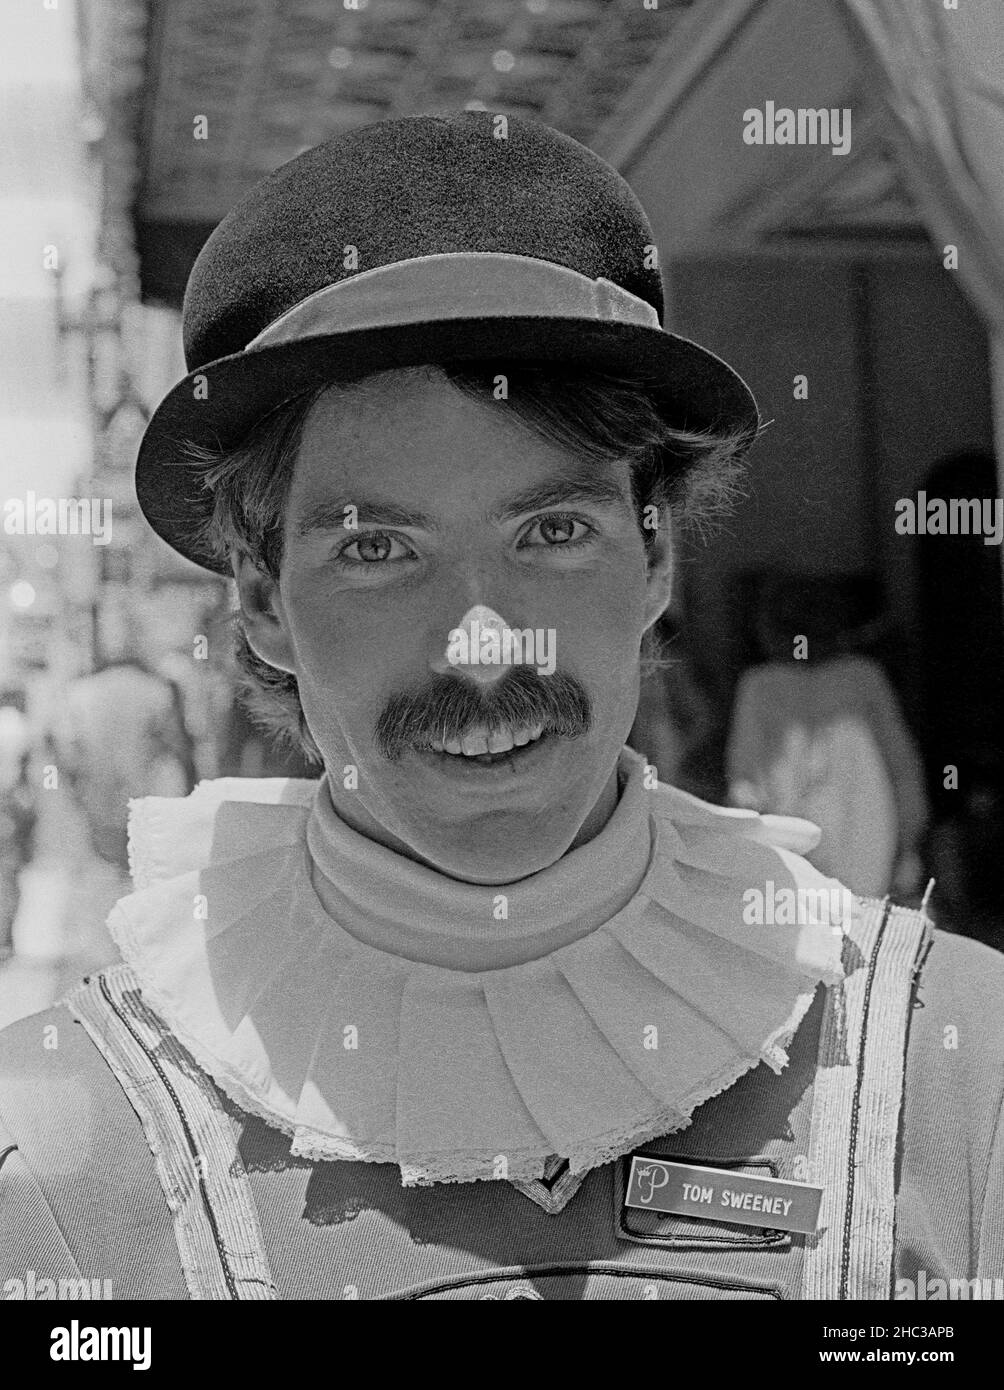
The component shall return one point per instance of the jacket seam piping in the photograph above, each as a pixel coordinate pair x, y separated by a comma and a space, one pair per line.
193, 1149
845, 1257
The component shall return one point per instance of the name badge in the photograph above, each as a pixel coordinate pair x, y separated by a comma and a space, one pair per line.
719, 1195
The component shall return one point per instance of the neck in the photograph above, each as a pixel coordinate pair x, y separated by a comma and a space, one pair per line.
359, 819
402, 905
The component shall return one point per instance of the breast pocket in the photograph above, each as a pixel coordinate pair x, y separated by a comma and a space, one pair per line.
672, 1231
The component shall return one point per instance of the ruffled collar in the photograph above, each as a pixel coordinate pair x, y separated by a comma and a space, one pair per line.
633, 987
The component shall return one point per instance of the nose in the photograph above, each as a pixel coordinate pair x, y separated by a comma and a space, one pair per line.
475, 647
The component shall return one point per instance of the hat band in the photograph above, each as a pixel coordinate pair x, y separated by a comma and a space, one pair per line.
456, 285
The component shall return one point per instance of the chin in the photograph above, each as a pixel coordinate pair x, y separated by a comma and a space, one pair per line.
495, 863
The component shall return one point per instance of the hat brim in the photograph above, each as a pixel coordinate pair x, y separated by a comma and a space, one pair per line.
217, 405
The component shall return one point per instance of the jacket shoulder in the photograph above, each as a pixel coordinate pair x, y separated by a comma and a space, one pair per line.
79, 1177
966, 979
955, 1052
58, 1098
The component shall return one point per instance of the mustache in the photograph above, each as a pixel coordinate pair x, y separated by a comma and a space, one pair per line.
448, 707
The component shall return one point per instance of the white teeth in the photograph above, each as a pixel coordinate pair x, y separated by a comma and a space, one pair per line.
480, 741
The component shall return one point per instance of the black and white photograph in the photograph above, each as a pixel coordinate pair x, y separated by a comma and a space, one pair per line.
502, 669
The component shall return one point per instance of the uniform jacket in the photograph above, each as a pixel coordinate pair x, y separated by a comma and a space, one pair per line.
123, 1159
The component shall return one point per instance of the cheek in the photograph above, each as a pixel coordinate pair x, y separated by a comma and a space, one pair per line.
346, 662
599, 634
606, 610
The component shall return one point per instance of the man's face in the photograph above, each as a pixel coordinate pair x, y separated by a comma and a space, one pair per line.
414, 510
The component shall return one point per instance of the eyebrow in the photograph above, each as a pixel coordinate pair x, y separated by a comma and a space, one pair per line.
551, 492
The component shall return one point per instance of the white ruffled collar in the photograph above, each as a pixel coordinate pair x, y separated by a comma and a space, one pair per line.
586, 1051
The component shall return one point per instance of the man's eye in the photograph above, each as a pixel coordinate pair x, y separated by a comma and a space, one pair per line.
372, 549
558, 531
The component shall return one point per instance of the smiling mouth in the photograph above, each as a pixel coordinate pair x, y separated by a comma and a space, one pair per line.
488, 747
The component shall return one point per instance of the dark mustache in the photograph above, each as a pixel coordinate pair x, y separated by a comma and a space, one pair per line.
448, 707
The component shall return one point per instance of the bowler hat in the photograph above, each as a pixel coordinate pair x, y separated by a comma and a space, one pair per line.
464, 237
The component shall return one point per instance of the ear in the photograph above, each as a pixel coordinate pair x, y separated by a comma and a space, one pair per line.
264, 616
659, 583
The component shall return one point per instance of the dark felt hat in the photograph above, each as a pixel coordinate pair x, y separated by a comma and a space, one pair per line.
465, 237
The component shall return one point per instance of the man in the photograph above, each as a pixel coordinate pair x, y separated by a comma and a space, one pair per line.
485, 1011
17, 812
121, 733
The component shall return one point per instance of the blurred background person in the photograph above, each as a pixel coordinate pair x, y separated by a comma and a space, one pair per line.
122, 735
817, 731
119, 734
17, 811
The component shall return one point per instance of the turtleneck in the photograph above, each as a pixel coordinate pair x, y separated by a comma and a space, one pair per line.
397, 905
